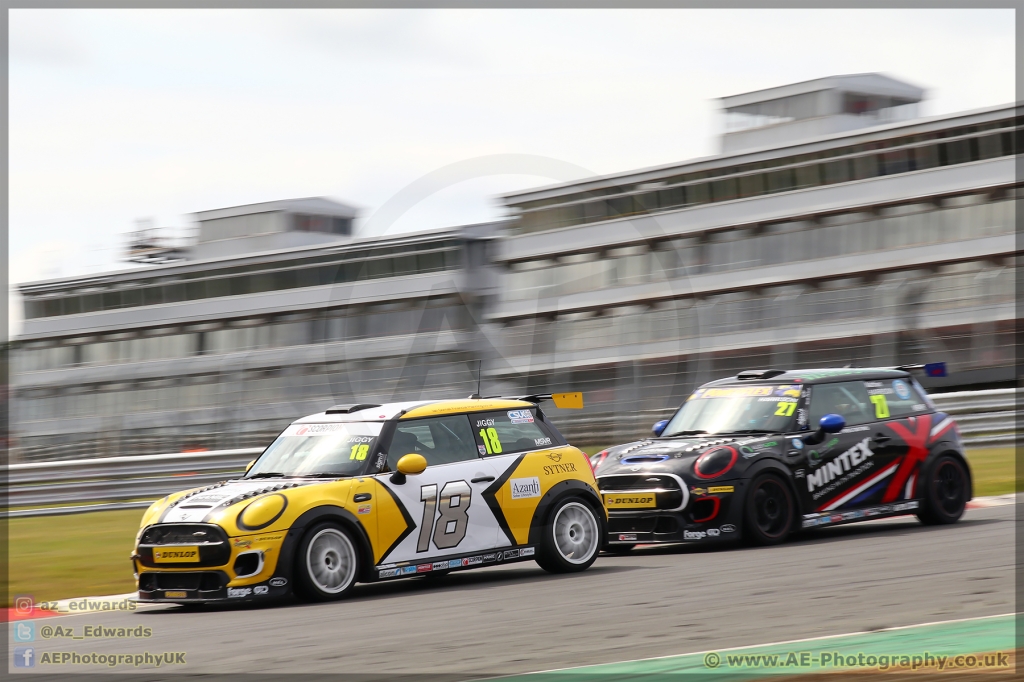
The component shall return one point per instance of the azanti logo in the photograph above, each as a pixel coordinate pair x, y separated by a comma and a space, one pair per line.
525, 487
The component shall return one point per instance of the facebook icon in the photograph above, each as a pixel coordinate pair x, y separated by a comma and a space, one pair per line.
24, 657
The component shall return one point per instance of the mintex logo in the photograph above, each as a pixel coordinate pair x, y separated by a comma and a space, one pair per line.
839, 465
525, 487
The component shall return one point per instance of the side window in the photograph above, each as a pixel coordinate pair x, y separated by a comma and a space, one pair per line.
441, 440
509, 431
895, 398
849, 399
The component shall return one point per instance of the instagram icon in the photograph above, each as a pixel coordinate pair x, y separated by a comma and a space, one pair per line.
23, 605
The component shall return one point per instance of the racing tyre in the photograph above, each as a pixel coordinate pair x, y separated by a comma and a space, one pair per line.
571, 539
769, 512
327, 563
945, 492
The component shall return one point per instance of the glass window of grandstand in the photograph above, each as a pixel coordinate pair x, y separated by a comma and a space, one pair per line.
848, 398
509, 431
837, 235
394, 319
177, 287
888, 109
844, 164
441, 440
318, 223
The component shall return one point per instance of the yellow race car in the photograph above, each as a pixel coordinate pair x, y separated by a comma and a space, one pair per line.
361, 493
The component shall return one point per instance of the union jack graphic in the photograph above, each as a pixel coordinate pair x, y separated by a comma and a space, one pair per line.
898, 478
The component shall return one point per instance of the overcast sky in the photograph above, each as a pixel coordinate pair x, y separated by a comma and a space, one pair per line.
117, 115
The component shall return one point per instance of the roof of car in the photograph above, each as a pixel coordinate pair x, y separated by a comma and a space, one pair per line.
417, 408
818, 376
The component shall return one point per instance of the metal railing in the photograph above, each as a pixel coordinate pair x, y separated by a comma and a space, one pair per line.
71, 486
986, 419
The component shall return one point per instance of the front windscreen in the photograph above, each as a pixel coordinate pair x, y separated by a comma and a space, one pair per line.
324, 450
736, 409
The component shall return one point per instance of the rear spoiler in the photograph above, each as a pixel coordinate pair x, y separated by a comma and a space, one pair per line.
570, 401
349, 409
931, 369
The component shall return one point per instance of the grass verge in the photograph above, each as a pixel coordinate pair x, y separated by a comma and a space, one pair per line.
992, 469
78, 555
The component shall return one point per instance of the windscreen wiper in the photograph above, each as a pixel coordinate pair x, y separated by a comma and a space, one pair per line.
746, 432
695, 432
267, 474
320, 474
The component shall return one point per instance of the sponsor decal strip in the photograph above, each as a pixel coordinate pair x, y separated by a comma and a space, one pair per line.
392, 571
811, 520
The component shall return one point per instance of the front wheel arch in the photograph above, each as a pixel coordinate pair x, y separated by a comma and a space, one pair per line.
782, 471
760, 536
338, 515
346, 543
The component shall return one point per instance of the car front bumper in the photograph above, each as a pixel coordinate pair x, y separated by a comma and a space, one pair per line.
180, 587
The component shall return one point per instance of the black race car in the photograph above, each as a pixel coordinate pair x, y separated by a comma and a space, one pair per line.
768, 452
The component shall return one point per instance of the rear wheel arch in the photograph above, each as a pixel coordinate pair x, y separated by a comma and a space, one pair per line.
558, 492
572, 536
929, 463
931, 511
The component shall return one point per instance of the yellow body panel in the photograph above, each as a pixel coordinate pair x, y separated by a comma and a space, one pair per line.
270, 537
549, 467
268, 543
390, 523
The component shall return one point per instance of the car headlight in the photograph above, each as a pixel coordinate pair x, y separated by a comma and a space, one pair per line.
715, 462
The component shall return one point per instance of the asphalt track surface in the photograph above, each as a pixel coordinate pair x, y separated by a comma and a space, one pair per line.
653, 602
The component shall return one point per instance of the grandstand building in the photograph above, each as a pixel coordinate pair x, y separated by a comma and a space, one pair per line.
276, 312
834, 228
